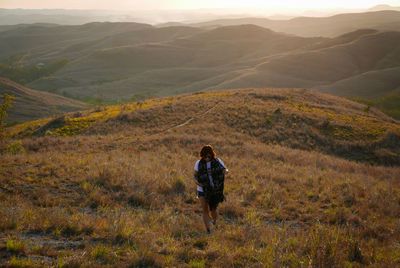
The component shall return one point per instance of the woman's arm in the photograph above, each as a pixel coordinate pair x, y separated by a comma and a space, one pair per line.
223, 165
195, 177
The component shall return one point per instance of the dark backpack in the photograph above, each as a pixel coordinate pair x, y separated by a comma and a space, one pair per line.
214, 191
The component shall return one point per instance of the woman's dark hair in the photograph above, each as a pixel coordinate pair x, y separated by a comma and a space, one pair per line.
207, 150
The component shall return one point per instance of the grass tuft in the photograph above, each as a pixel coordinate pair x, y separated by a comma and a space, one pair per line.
15, 246
102, 254
16, 262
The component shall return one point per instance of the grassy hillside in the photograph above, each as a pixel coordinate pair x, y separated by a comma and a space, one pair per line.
122, 61
342, 39
355, 64
378, 89
113, 186
30, 104
370, 52
370, 85
390, 103
26, 39
227, 57
163, 68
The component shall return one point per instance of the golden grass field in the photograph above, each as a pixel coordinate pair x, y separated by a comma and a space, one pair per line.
314, 182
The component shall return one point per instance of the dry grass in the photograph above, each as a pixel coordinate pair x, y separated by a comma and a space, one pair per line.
122, 194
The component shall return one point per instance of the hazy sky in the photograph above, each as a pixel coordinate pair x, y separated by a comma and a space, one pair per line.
193, 4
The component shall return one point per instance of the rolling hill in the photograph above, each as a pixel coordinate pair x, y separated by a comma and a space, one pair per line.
49, 37
370, 85
314, 180
320, 26
31, 104
325, 123
122, 61
157, 68
369, 52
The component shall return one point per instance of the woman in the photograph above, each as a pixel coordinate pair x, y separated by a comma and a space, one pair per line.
209, 175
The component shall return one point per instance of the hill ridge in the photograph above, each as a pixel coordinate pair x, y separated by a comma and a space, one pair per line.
322, 122
118, 62
32, 104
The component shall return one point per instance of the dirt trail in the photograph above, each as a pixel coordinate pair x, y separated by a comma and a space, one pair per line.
190, 119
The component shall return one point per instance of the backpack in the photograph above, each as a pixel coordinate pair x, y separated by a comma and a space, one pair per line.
212, 190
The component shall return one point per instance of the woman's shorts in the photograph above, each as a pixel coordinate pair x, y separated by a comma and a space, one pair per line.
213, 204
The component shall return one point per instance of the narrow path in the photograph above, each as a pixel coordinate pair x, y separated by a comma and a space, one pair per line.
190, 119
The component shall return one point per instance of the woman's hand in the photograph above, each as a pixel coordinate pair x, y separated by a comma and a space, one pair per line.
199, 184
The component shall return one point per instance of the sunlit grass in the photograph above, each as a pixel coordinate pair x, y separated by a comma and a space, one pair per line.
75, 123
126, 196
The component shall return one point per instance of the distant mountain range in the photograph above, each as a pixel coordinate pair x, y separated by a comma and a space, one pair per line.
120, 61
318, 26
78, 17
384, 7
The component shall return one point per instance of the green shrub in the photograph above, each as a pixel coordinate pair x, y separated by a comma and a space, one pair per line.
15, 147
197, 263
20, 262
15, 246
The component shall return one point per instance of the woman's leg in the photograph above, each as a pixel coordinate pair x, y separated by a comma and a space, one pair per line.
213, 204
206, 216
214, 215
